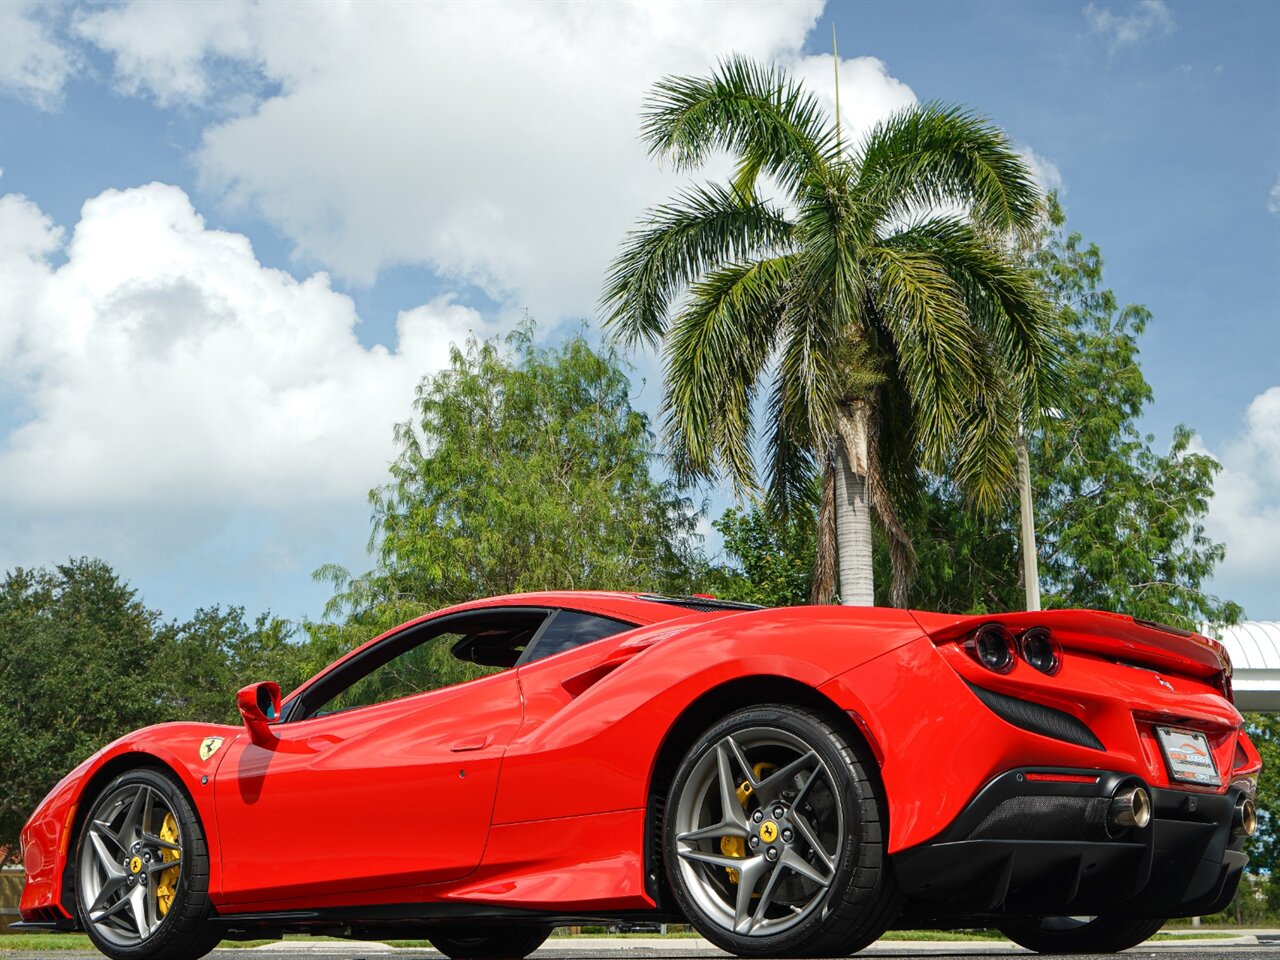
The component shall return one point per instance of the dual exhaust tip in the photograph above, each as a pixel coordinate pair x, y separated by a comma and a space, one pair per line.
1131, 809
1244, 822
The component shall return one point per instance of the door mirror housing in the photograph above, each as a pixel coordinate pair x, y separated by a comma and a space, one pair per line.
259, 705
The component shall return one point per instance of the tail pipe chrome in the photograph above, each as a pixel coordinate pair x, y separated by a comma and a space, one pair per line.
1244, 821
1130, 809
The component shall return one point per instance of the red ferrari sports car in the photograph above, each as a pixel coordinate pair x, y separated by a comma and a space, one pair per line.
790, 781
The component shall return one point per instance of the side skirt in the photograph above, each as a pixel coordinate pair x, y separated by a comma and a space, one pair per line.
398, 921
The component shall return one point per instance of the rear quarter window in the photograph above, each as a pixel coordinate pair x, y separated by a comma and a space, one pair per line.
568, 629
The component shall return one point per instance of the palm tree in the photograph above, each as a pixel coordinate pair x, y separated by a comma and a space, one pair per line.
877, 297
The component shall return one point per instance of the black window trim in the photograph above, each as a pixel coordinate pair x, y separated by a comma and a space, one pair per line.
327, 678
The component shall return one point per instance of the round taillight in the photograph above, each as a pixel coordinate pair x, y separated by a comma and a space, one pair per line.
992, 646
1041, 651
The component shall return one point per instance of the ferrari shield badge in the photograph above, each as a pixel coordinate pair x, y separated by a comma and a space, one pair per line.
209, 747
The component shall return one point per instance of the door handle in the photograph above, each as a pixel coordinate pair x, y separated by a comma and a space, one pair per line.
472, 743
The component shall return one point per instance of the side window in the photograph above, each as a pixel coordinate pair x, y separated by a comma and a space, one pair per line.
569, 629
428, 666
431, 655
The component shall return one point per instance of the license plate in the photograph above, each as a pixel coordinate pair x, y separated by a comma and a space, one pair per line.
1187, 755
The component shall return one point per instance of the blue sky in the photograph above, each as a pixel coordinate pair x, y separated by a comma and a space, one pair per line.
233, 236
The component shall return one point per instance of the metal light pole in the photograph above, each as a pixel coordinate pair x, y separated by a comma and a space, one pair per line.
1030, 566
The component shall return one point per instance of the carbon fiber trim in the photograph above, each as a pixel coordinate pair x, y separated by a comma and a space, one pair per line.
1045, 818
1037, 718
701, 604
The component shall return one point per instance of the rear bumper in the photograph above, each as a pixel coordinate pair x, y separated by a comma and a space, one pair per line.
1044, 848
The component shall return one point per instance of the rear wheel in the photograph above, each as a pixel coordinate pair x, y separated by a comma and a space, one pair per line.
142, 872
1081, 934
774, 837
494, 943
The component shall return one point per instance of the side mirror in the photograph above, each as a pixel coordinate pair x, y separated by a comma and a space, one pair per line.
259, 705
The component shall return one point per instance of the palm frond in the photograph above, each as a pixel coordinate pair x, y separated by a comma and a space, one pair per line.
807, 387
718, 347
703, 228
833, 277
793, 457
936, 155
1004, 302
753, 111
923, 312
983, 457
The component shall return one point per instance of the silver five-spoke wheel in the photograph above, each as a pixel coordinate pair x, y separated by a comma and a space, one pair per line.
129, 873
758, 831
773, 840
142, 871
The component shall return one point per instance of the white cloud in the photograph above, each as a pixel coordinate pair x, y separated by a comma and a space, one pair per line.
167, 49
171, 386
1245, 510
1140, 21
1273, 198
33, 65
1043, 170
495, 144
162, 364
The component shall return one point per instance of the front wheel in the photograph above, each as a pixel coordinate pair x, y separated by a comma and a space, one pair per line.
494, 943
142, 872
774, 837
1081, 934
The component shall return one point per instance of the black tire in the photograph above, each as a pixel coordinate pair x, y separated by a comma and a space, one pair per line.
843, 900
492, 943
180, 909
1081, 935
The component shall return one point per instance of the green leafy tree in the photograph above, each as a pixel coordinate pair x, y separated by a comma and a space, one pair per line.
890, 335
968, 562
522, 468
771, 562
1264, 847
215, 653
1120, 525
81, 663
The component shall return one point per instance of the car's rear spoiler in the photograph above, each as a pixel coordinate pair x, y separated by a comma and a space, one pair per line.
1112, 635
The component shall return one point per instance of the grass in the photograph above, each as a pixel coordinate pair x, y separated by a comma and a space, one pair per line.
40, 942
45, 941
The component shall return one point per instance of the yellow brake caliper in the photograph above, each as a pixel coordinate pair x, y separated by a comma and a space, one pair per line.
736, 847
167, 883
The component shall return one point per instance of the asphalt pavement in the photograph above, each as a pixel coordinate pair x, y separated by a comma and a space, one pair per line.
1254, 945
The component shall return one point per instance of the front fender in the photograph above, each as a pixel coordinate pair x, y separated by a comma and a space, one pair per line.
48, 837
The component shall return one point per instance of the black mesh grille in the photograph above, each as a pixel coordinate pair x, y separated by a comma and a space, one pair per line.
1038, 718
1045, 818
701, 604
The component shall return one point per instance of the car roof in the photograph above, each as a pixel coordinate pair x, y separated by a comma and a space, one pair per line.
643, 608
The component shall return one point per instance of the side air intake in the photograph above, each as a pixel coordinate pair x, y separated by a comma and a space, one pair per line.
1038, 718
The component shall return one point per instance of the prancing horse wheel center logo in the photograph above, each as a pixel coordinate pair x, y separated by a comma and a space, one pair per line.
768, 831
135, 865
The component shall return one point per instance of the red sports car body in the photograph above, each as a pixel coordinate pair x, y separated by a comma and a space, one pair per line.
788, 780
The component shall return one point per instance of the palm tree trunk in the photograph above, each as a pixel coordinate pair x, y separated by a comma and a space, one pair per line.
853, 508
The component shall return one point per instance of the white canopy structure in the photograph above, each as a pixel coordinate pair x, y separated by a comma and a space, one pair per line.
1255, 660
